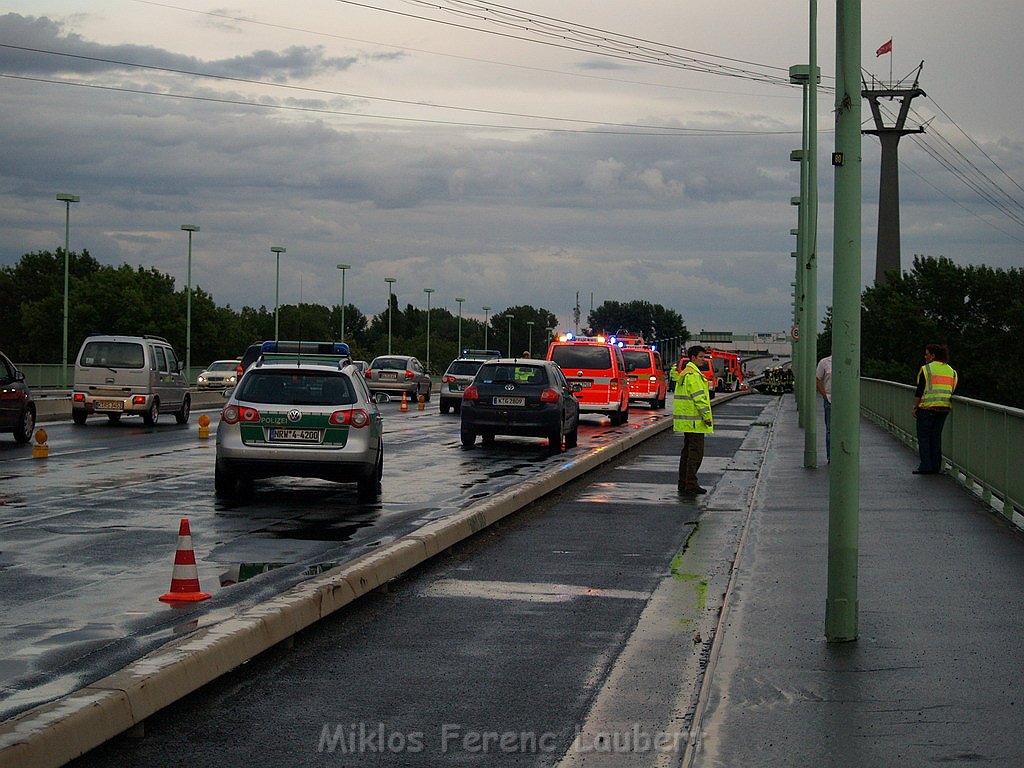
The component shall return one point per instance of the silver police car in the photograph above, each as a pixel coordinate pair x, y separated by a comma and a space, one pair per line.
301, 410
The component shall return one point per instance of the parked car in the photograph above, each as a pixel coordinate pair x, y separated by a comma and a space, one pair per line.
129, 376
17, 411
395, 374
300, 416
511, 396
459, 375
220, 374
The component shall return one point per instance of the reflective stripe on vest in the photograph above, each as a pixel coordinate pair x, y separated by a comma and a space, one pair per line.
939, 383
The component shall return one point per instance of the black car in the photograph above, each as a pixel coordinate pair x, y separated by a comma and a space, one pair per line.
17, 411
528, 397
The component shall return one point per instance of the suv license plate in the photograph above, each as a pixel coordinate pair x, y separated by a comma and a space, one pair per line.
510, 401
295, 435
108, 405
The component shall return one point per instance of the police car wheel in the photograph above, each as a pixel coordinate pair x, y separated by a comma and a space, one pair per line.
572, 437
224, 483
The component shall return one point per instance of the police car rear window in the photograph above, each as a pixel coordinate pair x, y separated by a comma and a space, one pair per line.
295, 388
581, 356
464, 367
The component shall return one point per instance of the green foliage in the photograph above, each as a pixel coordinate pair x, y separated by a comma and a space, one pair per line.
652, 321
977, 311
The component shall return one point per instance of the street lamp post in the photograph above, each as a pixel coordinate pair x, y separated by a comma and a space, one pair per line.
486, 310
460, 300
343, 267
277, 250
190, 228
391, 284
67, 200
509, 334
428, 291
529, 325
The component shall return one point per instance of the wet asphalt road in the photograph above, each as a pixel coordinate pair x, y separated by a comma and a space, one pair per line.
511, 635
87, 536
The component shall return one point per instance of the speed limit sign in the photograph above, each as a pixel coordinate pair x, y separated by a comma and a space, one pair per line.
795, 332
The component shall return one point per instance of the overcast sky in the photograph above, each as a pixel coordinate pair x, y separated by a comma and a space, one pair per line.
507, 163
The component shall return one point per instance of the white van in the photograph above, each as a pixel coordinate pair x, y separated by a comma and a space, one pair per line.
129, 376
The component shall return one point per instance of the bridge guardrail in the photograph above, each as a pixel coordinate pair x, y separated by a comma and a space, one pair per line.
981, 441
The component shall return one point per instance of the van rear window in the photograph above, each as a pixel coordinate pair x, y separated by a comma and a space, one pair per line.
572, 356
112, 354
637, 358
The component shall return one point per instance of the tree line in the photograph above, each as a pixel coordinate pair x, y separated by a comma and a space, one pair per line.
136, 301
976, 311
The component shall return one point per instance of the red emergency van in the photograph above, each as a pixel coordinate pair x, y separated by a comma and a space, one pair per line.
596, 369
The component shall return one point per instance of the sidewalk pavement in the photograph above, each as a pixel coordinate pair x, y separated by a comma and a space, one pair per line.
936, 674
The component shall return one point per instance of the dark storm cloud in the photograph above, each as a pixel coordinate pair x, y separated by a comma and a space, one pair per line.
69, 53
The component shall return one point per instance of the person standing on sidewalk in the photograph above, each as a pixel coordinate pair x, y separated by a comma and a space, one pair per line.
823, 381
933, 400
691, 415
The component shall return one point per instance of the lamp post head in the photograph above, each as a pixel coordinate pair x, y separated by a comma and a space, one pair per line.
277, 249
460, 299
344, 266
486, 309
65, 198
189, 228
390, 279
428, 290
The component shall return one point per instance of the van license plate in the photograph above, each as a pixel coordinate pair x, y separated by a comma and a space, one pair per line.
108, 405
510, 401
295, 435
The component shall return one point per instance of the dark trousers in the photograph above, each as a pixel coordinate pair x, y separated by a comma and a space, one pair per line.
929, 438
690, 458
828, 429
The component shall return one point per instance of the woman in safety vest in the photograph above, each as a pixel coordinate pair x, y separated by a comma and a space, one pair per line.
933, 400
691, 415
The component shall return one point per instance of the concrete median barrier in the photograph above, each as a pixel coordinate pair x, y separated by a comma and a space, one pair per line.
56, 406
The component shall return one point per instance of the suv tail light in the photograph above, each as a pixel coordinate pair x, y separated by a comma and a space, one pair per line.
356, 417
549, 395
471, 393
234, 414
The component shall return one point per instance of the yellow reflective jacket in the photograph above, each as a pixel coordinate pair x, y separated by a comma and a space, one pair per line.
691, 405
939, 383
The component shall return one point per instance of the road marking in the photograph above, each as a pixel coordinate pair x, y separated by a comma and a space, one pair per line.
533, 592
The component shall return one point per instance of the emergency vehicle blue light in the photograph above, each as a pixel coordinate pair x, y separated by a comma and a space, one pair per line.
268, 346
613, 340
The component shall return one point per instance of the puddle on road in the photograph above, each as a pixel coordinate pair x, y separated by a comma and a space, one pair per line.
239, 572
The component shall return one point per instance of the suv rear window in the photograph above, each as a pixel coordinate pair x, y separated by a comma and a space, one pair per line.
582, 356
113, 354
296, 388
520, 374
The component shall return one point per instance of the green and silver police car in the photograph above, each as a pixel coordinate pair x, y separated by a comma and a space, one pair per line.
301, 410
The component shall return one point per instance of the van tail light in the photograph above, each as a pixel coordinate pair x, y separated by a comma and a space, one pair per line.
355, 417
234, 414
471, 393
549, 395
139, 400
652, 379
78, 397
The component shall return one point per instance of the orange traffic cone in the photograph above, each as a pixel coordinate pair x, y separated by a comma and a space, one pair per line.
185, 577
405, 403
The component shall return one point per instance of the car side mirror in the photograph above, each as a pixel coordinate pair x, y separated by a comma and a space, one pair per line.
227, 392
19, 376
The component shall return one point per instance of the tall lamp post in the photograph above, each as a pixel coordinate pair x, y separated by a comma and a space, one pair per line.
529, 325
391, 284
509, 334
67, 200
190, 228
486, 310
460, 300
343, 267
277, 250
428, 291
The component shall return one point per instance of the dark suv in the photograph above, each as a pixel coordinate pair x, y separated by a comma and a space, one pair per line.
512, 396
17, 411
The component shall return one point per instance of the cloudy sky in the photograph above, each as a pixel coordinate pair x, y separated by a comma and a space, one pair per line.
509, 154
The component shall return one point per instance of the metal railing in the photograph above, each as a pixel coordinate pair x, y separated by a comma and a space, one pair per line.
981, 441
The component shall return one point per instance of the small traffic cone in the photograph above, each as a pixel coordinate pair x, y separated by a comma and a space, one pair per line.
405, 403
185, 577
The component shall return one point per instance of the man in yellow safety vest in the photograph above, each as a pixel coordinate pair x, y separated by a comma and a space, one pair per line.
691, 415
933, 400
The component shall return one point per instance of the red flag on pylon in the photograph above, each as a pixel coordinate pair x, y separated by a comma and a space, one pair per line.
885, 47
185, 576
